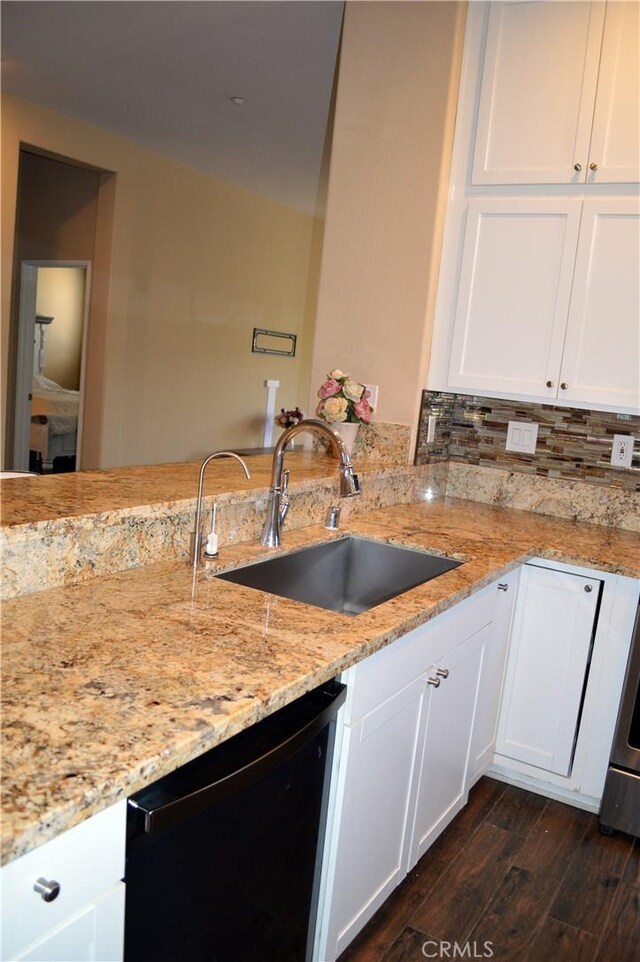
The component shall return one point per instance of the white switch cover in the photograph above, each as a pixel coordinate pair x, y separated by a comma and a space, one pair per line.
373, 400
622, 450
522, 436
431, 428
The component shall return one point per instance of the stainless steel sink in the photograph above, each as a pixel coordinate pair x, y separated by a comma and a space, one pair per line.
349, 575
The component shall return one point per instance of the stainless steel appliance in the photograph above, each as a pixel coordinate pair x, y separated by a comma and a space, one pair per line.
223, 855
620, 807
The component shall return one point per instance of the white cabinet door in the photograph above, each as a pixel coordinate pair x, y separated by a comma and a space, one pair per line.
601, 360
95, 934
514, 290
537, 92
485, 726
449, 714
379, 751
615, 140
548, 659
85, 861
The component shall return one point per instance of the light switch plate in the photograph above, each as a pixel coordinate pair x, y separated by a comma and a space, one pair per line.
522, 436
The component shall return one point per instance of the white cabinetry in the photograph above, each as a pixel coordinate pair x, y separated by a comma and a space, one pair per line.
85, 920
548, 300
449, 709
402, 762
567, 657
485, 725
601, 357
539, 293
548, 659
551, 111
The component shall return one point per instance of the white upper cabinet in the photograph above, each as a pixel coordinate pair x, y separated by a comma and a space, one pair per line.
601, 360
549, 300
551, 111
614, 154
515, 285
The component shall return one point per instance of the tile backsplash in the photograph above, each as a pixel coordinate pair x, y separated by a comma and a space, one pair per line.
573, 444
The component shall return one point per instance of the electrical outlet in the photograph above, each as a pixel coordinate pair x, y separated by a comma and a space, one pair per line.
622, 450
431, 428
522, 436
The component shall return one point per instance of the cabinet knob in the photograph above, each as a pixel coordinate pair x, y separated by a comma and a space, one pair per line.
577, 167
442, 672
433, 681
549, 383
48, 891
564, 385
593, 166
588, 588
503, 587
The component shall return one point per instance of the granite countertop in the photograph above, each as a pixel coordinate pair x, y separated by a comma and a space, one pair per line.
109, 684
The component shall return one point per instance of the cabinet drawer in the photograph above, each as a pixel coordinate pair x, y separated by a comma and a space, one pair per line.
85, 861
379, 677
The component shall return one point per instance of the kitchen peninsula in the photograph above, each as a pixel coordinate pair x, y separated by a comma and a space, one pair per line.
116, 680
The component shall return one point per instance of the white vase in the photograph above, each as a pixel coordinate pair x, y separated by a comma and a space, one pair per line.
348, 432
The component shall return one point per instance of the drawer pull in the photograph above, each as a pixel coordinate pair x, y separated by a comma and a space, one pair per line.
433, 681
48, 891
503, 586
442, 672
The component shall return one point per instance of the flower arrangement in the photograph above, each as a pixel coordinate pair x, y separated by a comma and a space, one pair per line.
286, 419
343, 399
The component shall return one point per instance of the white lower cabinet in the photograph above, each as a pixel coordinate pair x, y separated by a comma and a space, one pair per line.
449, 709
402, 762
95, 934
548, 660
567, 657
84, 920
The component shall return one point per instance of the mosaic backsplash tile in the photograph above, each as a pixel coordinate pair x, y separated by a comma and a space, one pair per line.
573, 444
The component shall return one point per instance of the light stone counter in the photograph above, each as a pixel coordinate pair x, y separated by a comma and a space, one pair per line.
111, 683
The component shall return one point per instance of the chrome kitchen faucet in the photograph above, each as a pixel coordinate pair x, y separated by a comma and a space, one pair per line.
278, 503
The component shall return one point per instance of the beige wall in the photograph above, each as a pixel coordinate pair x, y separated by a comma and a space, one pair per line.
60, 294
195, 265
392, 139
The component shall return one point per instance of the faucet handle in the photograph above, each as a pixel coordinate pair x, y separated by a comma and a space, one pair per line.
285, 481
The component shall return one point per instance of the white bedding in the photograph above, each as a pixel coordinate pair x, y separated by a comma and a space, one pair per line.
59, 405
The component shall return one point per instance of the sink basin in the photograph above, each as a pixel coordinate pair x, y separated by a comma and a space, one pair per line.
349, 575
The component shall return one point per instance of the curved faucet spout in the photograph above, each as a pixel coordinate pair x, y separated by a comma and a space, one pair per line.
197, 535
349, 486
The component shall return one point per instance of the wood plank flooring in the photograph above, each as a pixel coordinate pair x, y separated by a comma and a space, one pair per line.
531, 876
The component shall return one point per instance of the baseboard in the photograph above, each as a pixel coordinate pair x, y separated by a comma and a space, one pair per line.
559, 794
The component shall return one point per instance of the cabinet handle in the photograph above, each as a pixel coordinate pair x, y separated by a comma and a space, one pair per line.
503, 586
48, 891
442, 672
593, 166
577, 167
433, 681
549, 383
564, 385
588, 588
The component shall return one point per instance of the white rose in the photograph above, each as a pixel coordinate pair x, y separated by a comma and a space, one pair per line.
335, 409
337, 374
353, 390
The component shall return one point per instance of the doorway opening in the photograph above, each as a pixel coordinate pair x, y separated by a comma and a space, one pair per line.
51, 365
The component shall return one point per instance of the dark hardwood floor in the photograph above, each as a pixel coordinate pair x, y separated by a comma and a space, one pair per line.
532, 877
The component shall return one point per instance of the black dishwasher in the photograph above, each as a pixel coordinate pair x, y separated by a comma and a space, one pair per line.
222, 855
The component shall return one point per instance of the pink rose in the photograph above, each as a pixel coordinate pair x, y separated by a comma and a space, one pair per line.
329, 389
363, 410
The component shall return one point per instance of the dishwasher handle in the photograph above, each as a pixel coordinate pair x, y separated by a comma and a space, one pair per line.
162, 816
